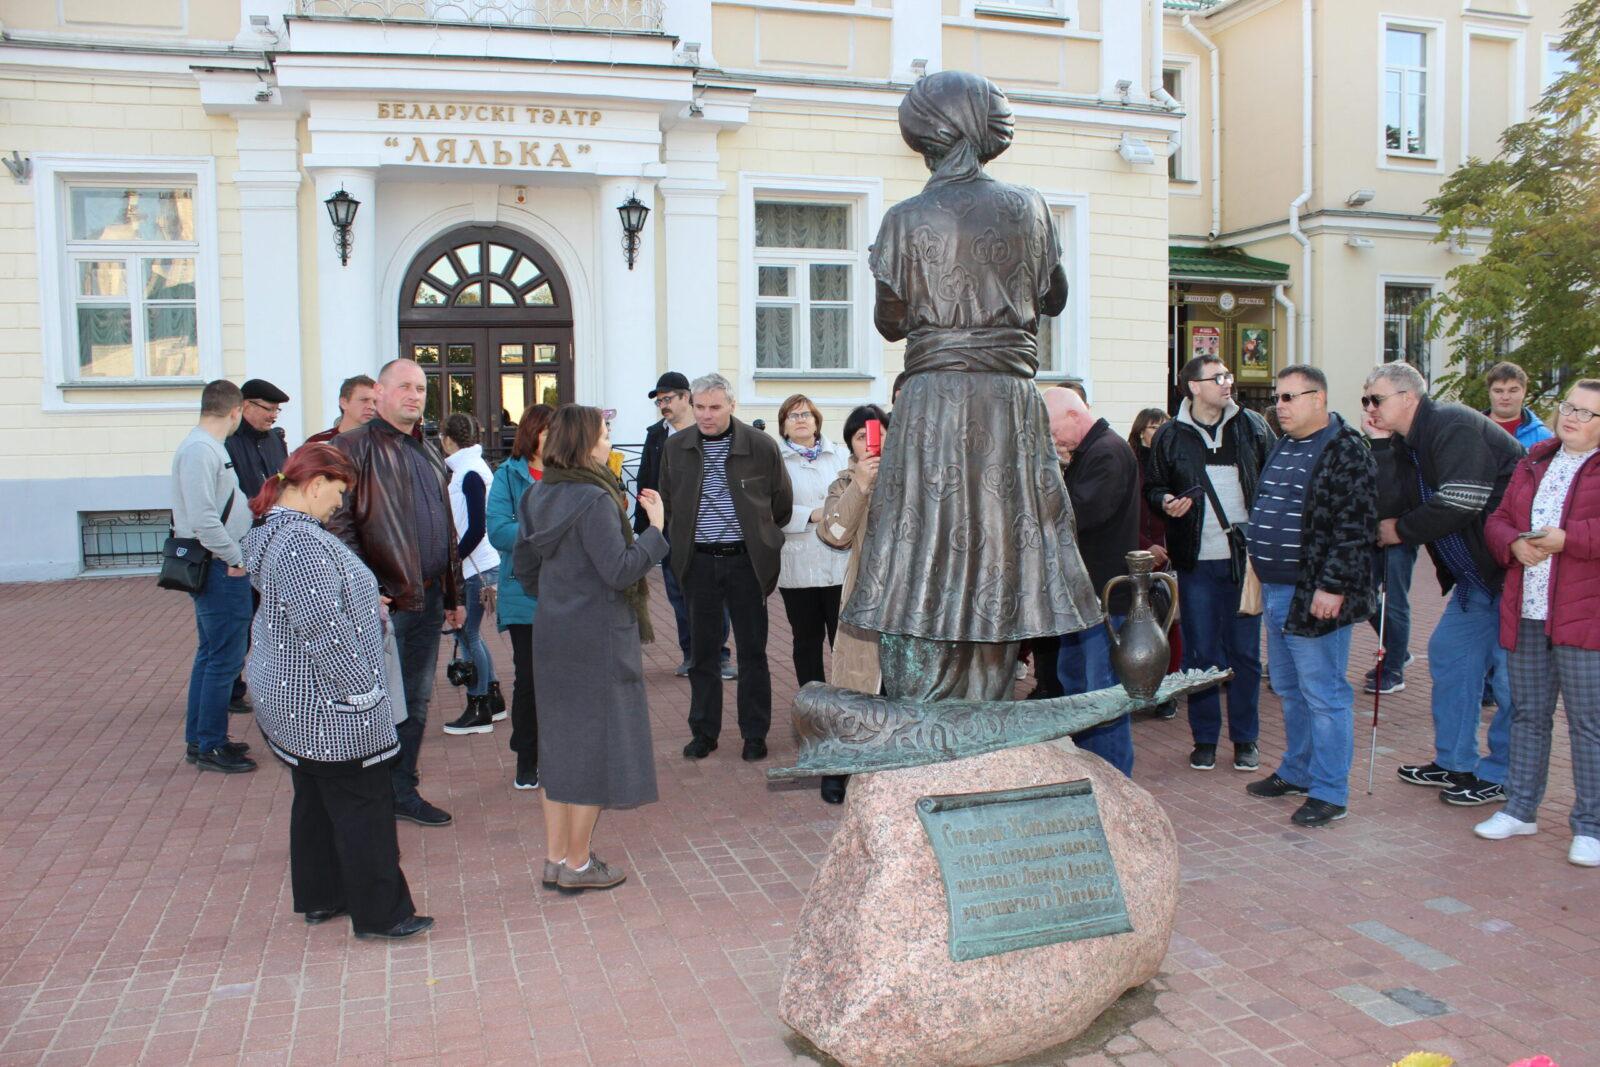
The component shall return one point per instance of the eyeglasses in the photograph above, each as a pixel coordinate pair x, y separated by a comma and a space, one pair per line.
799, 416
667, 398
1582, 414
1375, 400
1284, 398
1224, 378
264, 406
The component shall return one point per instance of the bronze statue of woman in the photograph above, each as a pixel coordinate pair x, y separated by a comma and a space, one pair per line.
971, 546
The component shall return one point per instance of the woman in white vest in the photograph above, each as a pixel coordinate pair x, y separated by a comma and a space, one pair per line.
470, 478
812, 571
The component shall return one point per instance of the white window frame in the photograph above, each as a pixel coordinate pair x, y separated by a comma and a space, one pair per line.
1515, 91
1550, 49
1070, 338
1432, 155
58, 286
865, 196
1186, 68
1054, 10
1430, 282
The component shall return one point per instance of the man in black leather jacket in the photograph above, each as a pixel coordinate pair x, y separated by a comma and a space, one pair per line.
1209, 455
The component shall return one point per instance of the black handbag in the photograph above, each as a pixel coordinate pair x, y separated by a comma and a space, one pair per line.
185, 562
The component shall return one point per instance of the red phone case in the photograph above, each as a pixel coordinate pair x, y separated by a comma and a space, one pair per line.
874, 437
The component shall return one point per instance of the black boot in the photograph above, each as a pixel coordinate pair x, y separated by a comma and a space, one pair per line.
477, 719
497, 702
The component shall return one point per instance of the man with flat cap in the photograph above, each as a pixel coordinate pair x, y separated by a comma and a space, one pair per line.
257, 447
671, 398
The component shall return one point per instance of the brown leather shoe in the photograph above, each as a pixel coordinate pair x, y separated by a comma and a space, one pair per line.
597, 875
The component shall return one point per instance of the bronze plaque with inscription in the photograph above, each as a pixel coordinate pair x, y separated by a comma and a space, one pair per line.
1023, 868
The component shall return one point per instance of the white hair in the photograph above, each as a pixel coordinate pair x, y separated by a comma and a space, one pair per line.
1403, 376
707, 382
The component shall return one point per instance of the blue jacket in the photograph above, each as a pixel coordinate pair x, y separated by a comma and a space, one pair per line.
1531, 430
511, 480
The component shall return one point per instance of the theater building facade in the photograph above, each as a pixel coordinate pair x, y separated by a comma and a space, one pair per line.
167, 216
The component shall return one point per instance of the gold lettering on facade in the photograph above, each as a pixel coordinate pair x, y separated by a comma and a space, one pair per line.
502, 158
475, 150
418, 153
475, 111
558, 157
528, 158
444, 150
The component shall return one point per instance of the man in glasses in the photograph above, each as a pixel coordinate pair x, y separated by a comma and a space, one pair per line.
671, 398
1452, 466
1202, 474
1311, 541
257, 447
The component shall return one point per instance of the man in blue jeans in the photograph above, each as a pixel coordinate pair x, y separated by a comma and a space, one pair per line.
1312, 533
208, 506
671, 398
1102, 480
1202, 475
1452, 465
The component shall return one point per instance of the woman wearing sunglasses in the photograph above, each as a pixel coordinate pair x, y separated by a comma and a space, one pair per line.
1546, 533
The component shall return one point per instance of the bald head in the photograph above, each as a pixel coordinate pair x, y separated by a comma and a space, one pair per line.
402, 392
1070, 418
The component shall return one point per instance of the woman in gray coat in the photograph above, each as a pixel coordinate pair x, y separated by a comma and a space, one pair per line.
577, 555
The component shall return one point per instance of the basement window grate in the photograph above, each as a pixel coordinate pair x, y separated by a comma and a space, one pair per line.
114, 540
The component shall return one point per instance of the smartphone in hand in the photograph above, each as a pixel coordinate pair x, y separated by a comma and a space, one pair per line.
1533, 535
874, 437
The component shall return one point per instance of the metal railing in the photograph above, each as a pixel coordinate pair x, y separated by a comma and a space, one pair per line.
629, 15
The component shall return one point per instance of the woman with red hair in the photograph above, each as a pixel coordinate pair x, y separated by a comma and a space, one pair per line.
318, 672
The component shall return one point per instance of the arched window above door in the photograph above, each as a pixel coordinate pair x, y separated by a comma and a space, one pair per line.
482, 273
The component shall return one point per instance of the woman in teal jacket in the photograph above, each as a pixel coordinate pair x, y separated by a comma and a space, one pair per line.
516, 605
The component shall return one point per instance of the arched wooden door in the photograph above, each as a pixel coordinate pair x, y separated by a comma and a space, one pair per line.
488, 314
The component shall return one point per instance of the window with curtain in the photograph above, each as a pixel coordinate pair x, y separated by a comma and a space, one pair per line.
1405, 92
131, 251
806, 264
1404, 329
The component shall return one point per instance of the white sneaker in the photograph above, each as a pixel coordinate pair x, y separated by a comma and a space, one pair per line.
1500, 826
1585, 852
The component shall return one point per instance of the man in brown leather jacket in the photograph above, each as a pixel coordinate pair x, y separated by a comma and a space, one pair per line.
727, 498
396, 516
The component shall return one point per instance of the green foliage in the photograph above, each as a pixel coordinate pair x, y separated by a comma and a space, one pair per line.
1534, 292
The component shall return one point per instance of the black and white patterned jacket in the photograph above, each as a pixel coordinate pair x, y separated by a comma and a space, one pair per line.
316, 669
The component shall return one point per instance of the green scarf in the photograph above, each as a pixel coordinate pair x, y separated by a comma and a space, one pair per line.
638, 594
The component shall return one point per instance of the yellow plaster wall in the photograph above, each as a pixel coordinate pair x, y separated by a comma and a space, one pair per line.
1127, 233
1489, 100
211, 20
1025, 61
1189, 209
803, 41
1261, 129
100, 118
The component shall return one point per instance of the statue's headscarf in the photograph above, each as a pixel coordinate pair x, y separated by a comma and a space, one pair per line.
958, 122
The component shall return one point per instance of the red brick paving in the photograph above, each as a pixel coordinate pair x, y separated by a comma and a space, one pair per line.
145, 912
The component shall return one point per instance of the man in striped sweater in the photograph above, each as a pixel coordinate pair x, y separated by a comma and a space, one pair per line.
1452, 466
727, 499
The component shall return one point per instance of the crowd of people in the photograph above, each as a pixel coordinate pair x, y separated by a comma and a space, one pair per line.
336, 570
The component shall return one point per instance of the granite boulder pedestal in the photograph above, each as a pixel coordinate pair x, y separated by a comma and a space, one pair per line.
871, 980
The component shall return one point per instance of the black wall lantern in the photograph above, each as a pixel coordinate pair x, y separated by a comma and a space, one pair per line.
633, 214
342, 210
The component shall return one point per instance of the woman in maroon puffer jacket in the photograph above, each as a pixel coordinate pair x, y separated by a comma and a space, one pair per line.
1546, 533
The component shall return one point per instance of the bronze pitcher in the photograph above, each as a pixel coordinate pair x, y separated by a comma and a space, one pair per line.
1140, 653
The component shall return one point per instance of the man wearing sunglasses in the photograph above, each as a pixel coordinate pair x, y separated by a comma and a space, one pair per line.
1311, 541
1202, 475
1452, 465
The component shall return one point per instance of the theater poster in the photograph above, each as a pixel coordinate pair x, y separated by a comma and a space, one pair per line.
1205, 339
1255, 353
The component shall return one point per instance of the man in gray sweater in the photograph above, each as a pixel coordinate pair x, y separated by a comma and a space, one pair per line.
207, 505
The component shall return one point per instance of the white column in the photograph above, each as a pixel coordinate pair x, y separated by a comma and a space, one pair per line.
628, 300
689, 196
347, 294
268, 182
916, 33
1122, 30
